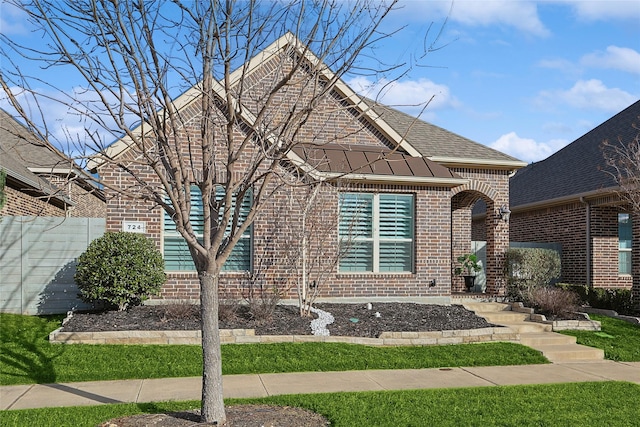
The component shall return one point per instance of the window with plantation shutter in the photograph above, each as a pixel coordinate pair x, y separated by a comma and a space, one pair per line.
625, 239
376, 232
176, 251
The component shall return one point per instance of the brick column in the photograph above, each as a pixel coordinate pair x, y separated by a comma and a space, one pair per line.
460, 243
497, 245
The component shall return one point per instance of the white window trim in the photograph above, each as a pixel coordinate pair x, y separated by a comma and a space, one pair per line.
624, 250
375, 239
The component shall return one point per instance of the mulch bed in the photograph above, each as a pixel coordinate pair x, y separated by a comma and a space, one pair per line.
353, 320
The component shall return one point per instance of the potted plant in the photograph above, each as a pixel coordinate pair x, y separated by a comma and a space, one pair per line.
469, 266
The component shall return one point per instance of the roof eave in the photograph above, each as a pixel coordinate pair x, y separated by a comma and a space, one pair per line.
461, 162
395, 179
39, 188
584, 197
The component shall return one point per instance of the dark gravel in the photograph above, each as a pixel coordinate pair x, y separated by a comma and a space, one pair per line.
353, 320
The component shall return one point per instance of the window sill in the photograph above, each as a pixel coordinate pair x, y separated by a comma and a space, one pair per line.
373, 274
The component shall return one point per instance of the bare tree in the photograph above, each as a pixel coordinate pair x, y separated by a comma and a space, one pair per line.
622, 159
3, 181
131, 59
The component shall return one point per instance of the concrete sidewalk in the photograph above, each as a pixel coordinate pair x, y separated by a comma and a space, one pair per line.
261, 385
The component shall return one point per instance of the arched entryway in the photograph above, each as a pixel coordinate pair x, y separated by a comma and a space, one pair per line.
493, 227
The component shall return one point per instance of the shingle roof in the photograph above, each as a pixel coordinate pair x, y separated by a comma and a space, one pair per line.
21, 150
433, 141
578, 167
25, 147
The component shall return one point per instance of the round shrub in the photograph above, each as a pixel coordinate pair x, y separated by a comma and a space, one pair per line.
120, 269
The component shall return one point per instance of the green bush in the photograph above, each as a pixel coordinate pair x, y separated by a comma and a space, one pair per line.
619, 300
120, 269
527, 269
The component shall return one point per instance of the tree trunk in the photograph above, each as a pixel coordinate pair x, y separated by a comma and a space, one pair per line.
212, 398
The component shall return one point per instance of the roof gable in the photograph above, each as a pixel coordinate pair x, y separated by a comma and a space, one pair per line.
280, 46
406, 133
577, 169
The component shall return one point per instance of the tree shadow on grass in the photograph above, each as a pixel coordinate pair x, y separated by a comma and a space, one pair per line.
25, 352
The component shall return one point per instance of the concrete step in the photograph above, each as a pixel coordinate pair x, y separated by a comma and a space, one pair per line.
526, 327
571, 353
504, 316
546, 338
486, 306
557, 348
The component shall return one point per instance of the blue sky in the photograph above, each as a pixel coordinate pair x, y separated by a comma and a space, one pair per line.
524, 77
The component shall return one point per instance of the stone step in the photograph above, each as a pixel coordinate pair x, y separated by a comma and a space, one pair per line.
486, 306
545, 339
570, 353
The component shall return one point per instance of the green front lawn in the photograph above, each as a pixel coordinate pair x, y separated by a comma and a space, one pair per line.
558, 405
620, 340
27, 357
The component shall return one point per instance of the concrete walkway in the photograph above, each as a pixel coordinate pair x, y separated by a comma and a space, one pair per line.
242, 386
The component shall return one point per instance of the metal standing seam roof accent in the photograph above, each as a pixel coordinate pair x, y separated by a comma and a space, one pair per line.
368, 160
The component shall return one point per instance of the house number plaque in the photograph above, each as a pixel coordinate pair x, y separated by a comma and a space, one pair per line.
134, 226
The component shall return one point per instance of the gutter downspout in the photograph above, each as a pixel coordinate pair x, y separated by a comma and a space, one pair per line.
588, 238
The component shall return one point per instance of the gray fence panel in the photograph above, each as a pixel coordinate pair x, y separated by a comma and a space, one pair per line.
37, 262
10, 267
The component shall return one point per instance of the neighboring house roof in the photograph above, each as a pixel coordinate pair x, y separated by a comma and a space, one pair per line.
578, 169
441, 145
28, 161
412, 136
20, 150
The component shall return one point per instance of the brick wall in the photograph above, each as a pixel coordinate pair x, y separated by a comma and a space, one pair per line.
87, 203
276, 235
567, 225
21, 204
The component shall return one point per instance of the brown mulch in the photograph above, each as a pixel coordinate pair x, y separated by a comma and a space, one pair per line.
354, 320
237, 416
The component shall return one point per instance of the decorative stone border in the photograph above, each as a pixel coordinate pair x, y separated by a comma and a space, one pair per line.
585, 324
614, 314
248, 336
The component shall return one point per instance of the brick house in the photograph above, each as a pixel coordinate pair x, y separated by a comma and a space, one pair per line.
40, 180
413, 185
569, 199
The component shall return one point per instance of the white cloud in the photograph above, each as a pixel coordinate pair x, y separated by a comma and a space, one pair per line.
67, 116
12, 20
410, 95
527, 149
602, 10
521, 15
617, 58
588, 95
564, 65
